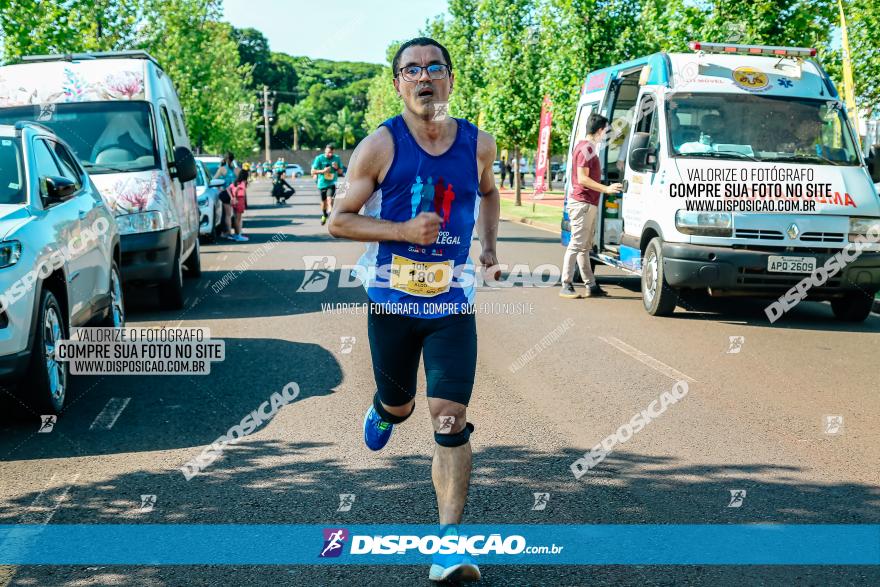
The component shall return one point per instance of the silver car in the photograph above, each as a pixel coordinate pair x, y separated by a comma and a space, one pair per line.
208, 198
59, 261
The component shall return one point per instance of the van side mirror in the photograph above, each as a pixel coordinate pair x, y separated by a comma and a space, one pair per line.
184, 165
642, 158
874, 163
58, 189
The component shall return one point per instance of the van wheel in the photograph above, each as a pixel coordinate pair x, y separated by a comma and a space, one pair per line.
47, 378
116, 313
194, 262
657, 296
855, 307
171, 290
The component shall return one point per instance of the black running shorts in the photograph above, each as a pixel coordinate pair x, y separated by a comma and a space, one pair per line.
329, 190
449, 347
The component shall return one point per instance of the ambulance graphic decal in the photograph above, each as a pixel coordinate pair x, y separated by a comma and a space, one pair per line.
751, 79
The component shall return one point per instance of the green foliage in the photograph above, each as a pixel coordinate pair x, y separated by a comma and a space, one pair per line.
508, 53
382, 101
58, 26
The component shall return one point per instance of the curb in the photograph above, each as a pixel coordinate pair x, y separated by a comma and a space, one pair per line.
530, 222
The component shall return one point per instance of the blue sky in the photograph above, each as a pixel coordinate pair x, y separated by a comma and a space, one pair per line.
341, 30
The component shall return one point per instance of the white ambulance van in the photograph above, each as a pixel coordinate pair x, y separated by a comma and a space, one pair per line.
120, 114
741, 173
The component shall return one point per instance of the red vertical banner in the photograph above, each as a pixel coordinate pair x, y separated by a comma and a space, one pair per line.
542, 159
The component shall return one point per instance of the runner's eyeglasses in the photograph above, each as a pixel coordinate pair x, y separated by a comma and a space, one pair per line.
412, 73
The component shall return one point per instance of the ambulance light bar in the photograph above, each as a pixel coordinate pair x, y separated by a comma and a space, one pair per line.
752, 49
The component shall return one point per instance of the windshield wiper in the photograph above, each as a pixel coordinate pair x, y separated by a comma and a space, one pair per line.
717, 154
802, 159
100, 167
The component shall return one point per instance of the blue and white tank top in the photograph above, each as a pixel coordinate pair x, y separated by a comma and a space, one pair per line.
434, 280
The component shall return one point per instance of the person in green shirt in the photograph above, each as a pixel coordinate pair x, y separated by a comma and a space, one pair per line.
327, 168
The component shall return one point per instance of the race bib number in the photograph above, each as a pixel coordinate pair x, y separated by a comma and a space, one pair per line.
329, 175
417, 278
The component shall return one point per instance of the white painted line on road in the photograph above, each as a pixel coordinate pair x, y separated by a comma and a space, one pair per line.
44, 506
108, 416
223, 258
39, 513
648, 360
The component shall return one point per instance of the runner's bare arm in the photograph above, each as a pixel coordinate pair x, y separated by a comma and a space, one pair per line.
490, 202
369, 163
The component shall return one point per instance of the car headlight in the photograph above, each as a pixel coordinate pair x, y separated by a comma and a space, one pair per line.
140, 222
859, 227
10, 253
704, 223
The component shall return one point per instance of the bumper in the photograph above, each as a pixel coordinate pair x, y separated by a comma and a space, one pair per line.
735, 270
13, 366
148, 256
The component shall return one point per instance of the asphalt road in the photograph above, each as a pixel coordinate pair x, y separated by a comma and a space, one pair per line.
753, 420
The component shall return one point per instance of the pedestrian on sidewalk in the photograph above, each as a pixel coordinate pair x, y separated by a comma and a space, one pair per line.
583, 208
509, 165
227, 171
421, 309
503, 166
238, 193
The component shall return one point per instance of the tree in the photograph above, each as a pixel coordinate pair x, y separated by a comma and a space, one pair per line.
199, 54
342, 127
57, 26
296, 118
512, 103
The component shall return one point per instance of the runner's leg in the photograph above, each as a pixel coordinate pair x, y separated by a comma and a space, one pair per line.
450, 356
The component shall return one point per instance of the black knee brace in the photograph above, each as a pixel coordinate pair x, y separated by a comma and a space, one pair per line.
457, 439
386, 415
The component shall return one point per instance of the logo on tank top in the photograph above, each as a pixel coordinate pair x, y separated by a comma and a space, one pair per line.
432, 196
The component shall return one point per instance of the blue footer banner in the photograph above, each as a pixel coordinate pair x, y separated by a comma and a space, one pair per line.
253, 544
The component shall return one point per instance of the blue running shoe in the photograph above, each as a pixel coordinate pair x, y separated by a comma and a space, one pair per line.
376, 430
454, 568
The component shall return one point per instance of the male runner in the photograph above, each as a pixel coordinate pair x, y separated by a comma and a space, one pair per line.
421, 292
327, 167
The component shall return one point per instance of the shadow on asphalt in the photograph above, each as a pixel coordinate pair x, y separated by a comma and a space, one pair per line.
627, 488
174, 411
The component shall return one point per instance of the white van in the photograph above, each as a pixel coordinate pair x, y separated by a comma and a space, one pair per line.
121, 115
741, 175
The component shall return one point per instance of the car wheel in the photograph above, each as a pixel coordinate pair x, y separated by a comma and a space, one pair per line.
116, 313
657, 296
171, 290
855, 307
47, 378
194, 261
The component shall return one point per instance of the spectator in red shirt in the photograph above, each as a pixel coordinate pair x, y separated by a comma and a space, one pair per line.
583, 208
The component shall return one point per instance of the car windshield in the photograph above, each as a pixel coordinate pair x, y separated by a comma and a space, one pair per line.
212, 167
107, 137
12, 189
778, 129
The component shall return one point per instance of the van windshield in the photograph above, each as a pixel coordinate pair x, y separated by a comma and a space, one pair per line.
759, 128
107, 137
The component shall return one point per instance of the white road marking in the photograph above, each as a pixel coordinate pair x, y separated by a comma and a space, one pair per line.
108, 416
648, 360
47, 502
39, 513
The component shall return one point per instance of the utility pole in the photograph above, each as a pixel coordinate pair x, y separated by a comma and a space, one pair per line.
266, 113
